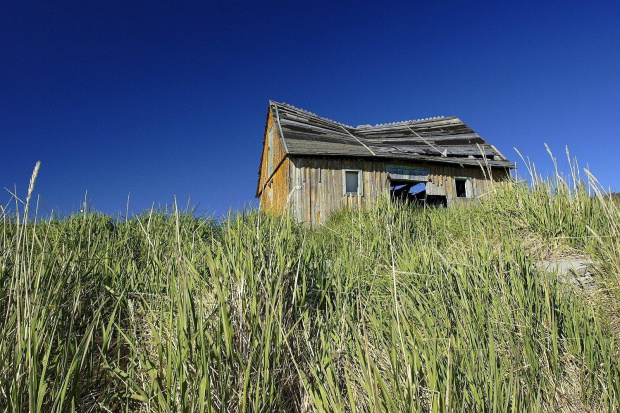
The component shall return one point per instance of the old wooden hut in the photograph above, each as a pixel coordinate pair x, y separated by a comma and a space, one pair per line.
311, 165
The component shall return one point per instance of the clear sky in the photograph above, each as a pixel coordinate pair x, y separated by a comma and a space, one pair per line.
157, 99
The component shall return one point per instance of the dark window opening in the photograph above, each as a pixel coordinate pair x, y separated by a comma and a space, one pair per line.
461, 188
439, 201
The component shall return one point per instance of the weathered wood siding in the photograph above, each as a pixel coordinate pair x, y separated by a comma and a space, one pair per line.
316, 186
274, 196
273, 185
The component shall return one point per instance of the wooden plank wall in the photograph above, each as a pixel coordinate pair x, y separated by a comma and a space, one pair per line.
317, 184
274, 188
442, 181
274, 196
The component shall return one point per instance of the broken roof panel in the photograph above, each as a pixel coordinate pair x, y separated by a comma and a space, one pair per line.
440, 139
309, 134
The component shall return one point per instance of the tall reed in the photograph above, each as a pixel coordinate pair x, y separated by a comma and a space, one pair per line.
392, 308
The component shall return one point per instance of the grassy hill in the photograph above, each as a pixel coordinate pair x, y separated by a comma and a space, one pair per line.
394, 308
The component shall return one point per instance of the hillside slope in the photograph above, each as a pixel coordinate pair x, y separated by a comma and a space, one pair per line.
395, 308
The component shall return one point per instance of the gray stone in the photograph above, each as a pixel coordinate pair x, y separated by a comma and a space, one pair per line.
576, 271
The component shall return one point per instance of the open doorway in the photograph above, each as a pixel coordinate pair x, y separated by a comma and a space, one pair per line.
414, 192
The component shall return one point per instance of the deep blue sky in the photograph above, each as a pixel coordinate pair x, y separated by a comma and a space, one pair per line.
159, 99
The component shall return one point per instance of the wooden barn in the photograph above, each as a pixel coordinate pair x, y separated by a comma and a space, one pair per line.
311, 166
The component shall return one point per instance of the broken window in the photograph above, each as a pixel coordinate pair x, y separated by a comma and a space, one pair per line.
352, 182
414, 192
410, 191
462, 188
438, 201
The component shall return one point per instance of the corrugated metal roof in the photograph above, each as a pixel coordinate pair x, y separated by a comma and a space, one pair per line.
438, 139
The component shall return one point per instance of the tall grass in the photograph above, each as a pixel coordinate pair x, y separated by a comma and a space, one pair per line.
392, 308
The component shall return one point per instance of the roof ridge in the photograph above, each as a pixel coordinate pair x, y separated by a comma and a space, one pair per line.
405, 122
398, 123
307, 112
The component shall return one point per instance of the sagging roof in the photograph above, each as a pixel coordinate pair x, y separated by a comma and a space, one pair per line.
439, 139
